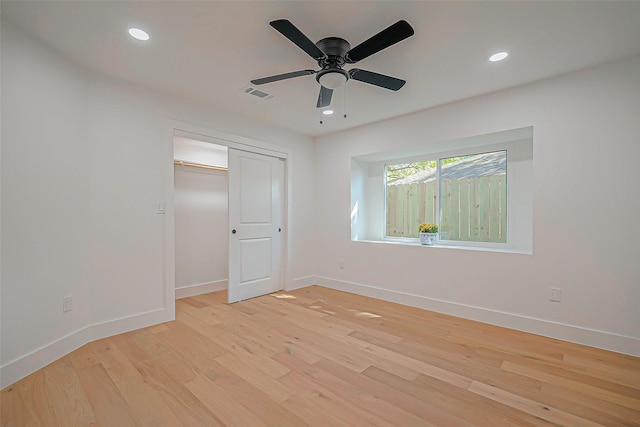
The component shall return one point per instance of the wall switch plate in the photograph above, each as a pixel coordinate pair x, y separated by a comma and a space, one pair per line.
67, 304
556, 294
161, 208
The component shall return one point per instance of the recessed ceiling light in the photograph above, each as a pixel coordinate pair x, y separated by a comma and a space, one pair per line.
327, 112
138, 34
498, 56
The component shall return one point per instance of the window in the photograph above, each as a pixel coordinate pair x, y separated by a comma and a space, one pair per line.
479, 190
466, 195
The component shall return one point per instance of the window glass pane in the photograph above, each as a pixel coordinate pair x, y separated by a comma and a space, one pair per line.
411, 197
473, 198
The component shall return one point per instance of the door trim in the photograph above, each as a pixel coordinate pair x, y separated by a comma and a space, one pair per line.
188, 130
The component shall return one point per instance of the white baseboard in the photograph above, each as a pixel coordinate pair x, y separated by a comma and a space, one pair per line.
131, 323
22, 366
576, 334
302, 282
201, 288
19, 368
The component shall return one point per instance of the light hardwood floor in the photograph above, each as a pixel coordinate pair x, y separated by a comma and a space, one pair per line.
326, 358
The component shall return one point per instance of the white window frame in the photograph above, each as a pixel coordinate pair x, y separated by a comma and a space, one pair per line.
370, 197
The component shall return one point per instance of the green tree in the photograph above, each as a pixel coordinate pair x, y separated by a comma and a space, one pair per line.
403, 170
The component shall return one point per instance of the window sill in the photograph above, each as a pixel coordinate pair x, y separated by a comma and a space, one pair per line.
449, 246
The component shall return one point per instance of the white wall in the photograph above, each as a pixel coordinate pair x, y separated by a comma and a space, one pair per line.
201, 230
585, 195
83, 170
46, 190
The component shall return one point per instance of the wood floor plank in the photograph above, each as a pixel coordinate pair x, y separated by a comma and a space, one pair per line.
84, 356
334, 410
459, 360
365, 329
457, 402
193, 302
393, 318
289, 308
417, 365
251, 354
193, 345
314, 408
136, 346
322, 357
37, 406
247, 328
604, 391
213, 298
563, 399
258, 378
544, 412
14, 412
620, 373
67, 396
10, 407
491, 337
147, 406
177, 397
204, 313
345, 390
108, 404
252, 398
274, 339
117, 365
257, 308
228, 410
331, 345
424, 410
585, 406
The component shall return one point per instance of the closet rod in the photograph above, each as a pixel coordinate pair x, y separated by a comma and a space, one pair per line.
198, 165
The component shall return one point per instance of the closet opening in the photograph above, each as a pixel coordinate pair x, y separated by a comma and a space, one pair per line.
201, 217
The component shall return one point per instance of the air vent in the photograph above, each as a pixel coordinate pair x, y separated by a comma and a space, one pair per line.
250, 90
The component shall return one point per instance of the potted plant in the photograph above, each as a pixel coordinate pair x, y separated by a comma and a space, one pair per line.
428, 233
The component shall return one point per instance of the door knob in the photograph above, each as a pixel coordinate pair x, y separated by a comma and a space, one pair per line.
233, 231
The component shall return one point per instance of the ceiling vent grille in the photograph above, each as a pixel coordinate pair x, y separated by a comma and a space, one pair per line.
250, 90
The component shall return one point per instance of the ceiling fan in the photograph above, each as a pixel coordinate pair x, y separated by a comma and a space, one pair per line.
333, 53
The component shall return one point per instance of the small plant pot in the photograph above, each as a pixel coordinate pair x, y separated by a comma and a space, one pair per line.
428, 239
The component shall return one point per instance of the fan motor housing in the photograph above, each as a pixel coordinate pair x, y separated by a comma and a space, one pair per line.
333, 46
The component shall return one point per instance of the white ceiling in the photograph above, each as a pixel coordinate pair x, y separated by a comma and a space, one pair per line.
208, 51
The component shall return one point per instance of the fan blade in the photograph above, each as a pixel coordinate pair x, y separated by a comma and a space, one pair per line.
385, 38
290, 31
324, 97
284, 76
376, 79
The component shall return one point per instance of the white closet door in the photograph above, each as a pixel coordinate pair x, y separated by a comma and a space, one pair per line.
255, 224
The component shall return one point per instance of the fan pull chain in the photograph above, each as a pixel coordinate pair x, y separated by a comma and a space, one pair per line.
344, 98
318, 109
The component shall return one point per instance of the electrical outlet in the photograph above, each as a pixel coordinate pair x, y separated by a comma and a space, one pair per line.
556, 294
67, 303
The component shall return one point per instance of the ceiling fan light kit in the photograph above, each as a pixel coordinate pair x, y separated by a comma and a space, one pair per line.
332, 79
333, 53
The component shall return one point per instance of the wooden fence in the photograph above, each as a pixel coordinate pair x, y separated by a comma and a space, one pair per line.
473, 209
